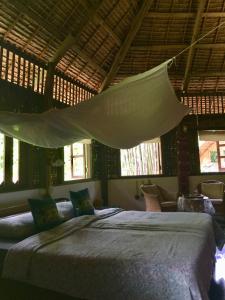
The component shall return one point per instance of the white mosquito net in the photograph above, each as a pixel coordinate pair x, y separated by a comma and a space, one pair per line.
139, 108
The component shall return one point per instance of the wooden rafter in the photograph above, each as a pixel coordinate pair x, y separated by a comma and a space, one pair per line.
101, 22
196, 28
126, 44
56, 32
50, 27
83, 54
71, 38
68, 42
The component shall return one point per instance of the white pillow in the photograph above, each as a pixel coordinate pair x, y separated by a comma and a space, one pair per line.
65, 210
21, 225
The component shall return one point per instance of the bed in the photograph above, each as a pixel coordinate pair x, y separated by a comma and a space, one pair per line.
118, 254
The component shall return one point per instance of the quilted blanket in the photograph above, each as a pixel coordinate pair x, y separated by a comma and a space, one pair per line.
120, 255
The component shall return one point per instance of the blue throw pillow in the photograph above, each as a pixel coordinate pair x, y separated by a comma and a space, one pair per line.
45, 213
82, 204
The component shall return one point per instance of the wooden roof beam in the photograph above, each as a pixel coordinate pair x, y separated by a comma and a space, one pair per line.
68, 41
196, 28
126, 44
85, 56
72, 37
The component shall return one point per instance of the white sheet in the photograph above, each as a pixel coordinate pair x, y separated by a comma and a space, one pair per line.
131, 255
139, 108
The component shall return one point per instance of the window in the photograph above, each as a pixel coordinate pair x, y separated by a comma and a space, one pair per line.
144, 159
15, 173
212, 150
77, 160
2, 157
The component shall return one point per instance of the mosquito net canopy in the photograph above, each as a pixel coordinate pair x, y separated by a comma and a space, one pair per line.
139, 108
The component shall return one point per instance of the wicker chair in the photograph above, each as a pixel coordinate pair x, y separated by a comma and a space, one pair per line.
158, 199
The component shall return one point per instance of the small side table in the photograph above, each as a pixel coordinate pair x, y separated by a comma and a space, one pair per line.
195, 203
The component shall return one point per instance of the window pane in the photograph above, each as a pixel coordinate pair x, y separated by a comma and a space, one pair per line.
222, 150
222, 163
15, 177
77, 161
78, 167
78, 149
2, 157
144, 159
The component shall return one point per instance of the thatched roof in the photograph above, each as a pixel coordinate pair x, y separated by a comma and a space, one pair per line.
101, 42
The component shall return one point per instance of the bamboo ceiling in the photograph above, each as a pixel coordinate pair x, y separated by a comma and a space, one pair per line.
101, 42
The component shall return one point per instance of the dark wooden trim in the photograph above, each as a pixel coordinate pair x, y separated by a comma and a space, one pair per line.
8, 160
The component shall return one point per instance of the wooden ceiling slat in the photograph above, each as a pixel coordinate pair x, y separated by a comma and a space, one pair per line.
126, 44
101, 22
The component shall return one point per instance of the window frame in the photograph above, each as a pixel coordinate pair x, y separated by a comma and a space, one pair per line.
87, 159
219, 157
8, 162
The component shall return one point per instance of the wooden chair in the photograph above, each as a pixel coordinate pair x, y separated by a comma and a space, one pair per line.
158, 199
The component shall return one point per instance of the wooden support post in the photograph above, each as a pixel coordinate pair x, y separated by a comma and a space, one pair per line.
49, 83
183, 160
48, 104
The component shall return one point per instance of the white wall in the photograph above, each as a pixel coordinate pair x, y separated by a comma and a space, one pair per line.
122, 191
20, 197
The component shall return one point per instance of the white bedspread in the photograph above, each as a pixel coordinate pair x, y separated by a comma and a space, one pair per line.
129, 255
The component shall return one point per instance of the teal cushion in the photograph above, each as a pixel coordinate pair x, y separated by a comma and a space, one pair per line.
82, 204
45, 213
